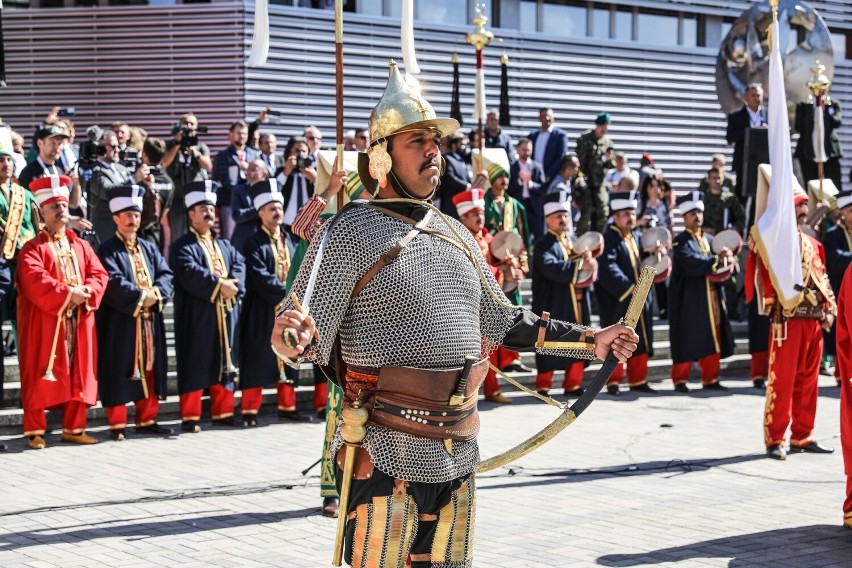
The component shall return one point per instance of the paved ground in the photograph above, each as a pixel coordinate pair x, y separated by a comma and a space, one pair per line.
668, 480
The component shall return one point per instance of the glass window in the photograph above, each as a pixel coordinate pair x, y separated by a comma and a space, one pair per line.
396, 9
564, 20
510, 14
529, 16
371, 7
690, 31
726, 27
623, 25
656, 28
600, 23
838, 41
442, 11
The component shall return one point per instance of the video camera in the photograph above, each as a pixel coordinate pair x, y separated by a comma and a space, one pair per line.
188, 138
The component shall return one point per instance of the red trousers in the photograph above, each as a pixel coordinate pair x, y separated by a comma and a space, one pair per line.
791, 392
221, 399
759, 365
146, 409
253, 397
709, 370
73, 418
500, 357
637, 371
573, 377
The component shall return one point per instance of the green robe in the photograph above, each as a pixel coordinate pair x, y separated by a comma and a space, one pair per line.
508, 216
29, 227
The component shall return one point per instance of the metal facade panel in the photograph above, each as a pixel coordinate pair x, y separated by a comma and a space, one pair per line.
663, 101
143, 64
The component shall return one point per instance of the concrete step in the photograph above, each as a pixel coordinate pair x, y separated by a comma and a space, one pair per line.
659, 370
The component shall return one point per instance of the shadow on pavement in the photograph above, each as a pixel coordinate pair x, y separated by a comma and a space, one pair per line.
521, 477
808, 546
136, 531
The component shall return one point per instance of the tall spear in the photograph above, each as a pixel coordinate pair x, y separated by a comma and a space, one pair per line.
338, 69
479, 39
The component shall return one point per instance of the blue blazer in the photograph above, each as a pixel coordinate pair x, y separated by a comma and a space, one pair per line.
557, 146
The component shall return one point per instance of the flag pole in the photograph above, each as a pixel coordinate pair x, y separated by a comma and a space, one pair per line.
338, 68
479, 39
819, 85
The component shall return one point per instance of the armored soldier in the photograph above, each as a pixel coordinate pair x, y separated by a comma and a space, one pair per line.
414, 303
595, 152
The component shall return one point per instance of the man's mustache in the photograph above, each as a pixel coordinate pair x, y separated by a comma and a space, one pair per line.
428, 164
208, 217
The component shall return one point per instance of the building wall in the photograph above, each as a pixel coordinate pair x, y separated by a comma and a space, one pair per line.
663, 100
146, 65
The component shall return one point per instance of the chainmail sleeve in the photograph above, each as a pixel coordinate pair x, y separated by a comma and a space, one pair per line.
344, 261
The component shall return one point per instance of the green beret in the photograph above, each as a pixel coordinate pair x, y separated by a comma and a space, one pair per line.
603, 118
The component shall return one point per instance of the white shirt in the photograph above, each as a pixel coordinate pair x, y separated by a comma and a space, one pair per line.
298, 197
525, 167
541, 144
755, 119
614, 176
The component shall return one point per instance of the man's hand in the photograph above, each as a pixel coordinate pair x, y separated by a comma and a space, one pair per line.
289, 165
310, 174
304, 327
338, 180
622, 340
589, 263
150, 298
827, 322
229, 289
79, 295
52, 116
261, 117
143, 175
80, 224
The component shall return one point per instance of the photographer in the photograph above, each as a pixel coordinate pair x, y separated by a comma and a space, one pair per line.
186, 160
108, 174
229, 169
153, 225
297, 178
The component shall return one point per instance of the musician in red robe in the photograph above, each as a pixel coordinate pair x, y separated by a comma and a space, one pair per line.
844, 373
470, 205
795, 347
60, 284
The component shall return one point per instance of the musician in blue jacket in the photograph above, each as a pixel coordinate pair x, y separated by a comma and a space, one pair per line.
209, 281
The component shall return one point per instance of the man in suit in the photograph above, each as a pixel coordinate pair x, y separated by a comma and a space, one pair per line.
242, 207
457, 175
495, 137
229, 169
549, 143
752, 115
107, 175
526, 184
268, 146
805, 153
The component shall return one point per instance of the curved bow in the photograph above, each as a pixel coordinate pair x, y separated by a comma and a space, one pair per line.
567, 417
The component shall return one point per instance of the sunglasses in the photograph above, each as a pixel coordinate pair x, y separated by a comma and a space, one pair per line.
112, 146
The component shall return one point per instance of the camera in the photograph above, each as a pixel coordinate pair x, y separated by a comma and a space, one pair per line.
188, 138
70, 111
303, 162
155, 170
273, 116
89, 153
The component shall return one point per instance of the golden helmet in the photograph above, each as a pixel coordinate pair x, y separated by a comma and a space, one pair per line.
401, 109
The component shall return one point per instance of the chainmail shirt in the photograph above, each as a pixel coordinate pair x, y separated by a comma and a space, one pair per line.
427, 309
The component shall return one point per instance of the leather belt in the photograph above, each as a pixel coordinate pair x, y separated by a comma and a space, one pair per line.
418, 401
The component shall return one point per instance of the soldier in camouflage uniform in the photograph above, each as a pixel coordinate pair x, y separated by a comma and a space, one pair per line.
408, 318
722, 209
595, 152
